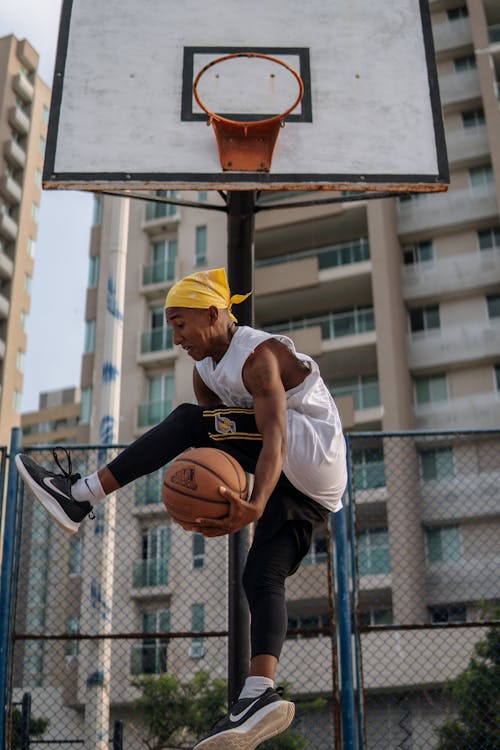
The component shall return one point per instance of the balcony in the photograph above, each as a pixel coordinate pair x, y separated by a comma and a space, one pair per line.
152, 412
444, 211
467, 146
10, 189
150, 573
466, 579
457, 88
479, 410
450, 277
19, 120
4, 307
341, 271
452, 35
23, 87
8, 226
454, 499
15, 154
368, 411
159, 216
157, 277
156, 346
454, 345
6, 266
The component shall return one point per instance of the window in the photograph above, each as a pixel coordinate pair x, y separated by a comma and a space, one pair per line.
162, 210
41, 145
493, 304
38, 178
24, 320
86, 405
17, 400
473, 117
31, 247
201, 246
45, 114
489, 238
456, 13
373, 551
443, 544
373, 617
152, 568
34, 211
467, 62
75, 556
198, 550
437, 464
420, 252
497, 377
151, 656
197, 647
369, 470
364, 390
148, 489
318, 552
97, 210
307, 623
27, 283
431, 388
202, 195
162, 266
159, 400
448, 613
89, 339
20, 357
481, 176
93, 277
72, 627
424, 319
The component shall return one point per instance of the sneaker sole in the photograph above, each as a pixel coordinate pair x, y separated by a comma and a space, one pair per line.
51, 506
273, 720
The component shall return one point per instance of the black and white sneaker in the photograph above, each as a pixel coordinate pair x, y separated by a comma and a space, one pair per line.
250, 722
54, 491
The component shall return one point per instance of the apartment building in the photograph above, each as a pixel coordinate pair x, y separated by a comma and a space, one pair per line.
56, 419
24, 112
399, 302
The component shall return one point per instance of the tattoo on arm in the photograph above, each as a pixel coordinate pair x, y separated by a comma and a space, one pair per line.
263, 380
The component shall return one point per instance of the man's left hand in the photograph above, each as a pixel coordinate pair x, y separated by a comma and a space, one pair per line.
241, 513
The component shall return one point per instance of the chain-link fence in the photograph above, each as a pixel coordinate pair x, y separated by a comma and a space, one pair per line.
128, 629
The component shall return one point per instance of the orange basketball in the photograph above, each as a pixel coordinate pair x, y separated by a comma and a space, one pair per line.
192, 481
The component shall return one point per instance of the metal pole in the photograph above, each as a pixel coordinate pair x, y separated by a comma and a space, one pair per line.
118, 735
240, 265
100, 543
7, 581
345, 641
26, 721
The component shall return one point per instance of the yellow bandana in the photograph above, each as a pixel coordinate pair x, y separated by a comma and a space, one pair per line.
203, 289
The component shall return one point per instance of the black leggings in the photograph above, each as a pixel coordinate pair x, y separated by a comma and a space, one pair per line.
282, 535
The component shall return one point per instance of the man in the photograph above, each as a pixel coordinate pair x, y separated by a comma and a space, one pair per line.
267, 405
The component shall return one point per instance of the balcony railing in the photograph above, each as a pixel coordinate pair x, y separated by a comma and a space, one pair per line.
334, 325
480, 409
152, 412
6, 265
15, 153
19, 120
451, 35
341, 254
8, 226
157, 273
454, 344
364, 396
452, 274
156, 340
150, 573
458, 87
155, 211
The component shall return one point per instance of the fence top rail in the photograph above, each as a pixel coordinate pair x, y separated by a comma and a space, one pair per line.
423, 433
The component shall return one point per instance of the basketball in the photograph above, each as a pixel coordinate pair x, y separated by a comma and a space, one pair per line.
191, 485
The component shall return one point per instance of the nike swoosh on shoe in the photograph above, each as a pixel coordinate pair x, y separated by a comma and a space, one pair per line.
237, 717
49, 482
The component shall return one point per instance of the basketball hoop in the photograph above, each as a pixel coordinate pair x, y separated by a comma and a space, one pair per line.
247, 146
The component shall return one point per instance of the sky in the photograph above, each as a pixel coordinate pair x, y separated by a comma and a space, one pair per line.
56, 320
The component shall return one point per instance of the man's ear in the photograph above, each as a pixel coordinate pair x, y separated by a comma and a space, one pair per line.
213, 314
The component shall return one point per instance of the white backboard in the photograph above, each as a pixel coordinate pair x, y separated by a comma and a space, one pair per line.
123, 115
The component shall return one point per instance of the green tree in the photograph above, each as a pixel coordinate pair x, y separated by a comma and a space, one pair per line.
176, 714
476, 692
37, 728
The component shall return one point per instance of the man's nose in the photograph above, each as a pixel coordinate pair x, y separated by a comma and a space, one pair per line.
177, 338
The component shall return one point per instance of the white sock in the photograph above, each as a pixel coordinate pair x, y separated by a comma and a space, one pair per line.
89, 489
255, 686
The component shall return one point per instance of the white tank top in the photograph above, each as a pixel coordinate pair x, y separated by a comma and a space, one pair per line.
315, 461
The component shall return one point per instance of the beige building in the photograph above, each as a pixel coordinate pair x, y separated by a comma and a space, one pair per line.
24, 112
55, 421
399, 302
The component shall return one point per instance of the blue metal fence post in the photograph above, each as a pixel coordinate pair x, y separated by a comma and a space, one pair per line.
345, 639
6, 581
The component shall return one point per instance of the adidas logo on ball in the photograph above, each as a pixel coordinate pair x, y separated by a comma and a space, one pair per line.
185, 477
